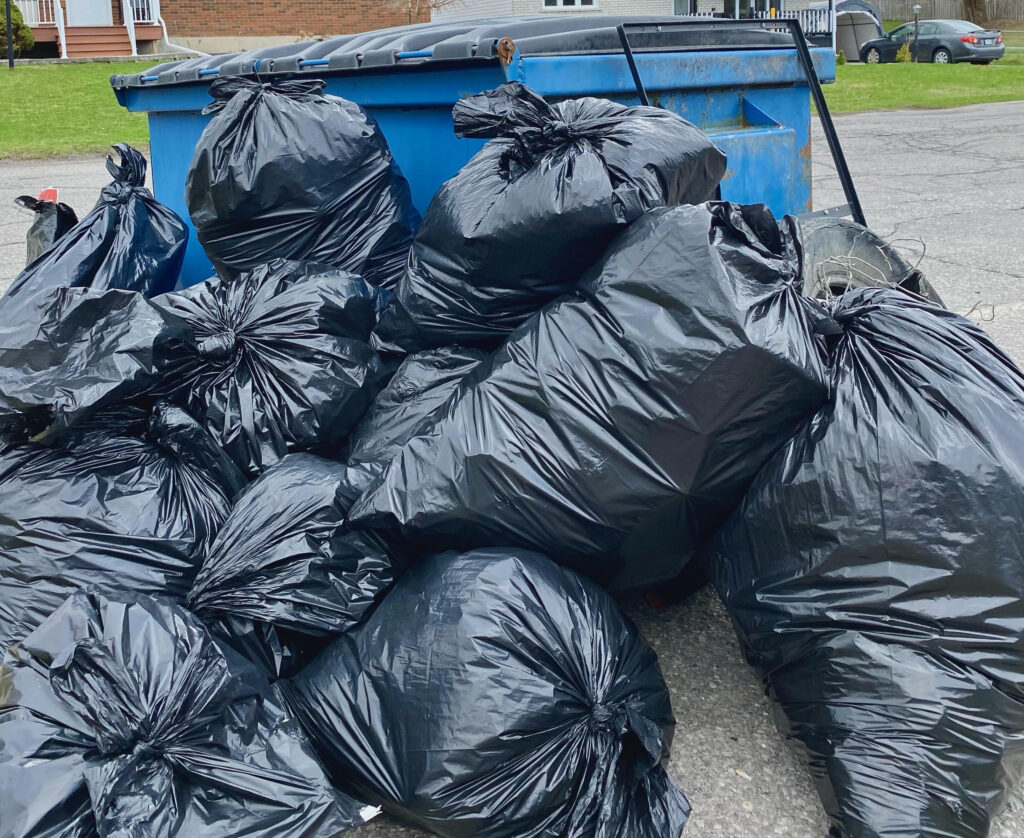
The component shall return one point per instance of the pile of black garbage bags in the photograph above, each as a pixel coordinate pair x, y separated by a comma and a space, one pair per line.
342, 529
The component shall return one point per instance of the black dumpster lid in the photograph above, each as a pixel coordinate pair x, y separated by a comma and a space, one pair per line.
404, 47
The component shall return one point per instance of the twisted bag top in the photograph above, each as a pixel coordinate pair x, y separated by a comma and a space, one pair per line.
495, 694
280, 360
536, 207
129, 240
52, 220
126, 719
286, 171
875, 574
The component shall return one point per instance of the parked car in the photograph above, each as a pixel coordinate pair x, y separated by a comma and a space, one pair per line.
938, 41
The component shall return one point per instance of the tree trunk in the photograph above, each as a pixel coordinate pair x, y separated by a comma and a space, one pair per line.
975, 11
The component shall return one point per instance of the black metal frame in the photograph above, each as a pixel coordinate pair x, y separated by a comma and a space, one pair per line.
852, 206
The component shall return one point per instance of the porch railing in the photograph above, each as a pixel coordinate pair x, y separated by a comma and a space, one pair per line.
37, 12
44, 12
812, 21
146, 11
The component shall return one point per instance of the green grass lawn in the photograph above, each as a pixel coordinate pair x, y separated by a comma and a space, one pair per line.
55, 109
867, 87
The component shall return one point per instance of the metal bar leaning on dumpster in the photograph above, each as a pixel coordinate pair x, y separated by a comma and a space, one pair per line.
803, 55
644, 100
825, 117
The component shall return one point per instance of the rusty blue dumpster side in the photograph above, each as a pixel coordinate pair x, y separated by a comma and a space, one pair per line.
753, 102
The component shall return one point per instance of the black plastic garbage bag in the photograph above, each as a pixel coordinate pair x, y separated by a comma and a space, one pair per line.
129, 240
284, 558
495, 694
52, 220
127, 502
281, 360
875, 575
536, 207
125, 719
286, 171
619, 427
412, 399
72, 351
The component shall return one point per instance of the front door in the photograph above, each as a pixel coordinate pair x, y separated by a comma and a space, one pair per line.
89, 12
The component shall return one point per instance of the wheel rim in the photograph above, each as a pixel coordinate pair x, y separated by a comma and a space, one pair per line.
872, 56
941, 57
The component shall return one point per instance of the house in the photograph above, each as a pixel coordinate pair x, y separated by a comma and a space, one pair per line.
812, 19
83, 28
815, 16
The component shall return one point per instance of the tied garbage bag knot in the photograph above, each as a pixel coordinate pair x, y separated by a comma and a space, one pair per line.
130, 172
606, 719
874, 573
219, 346
280, 361
494, 694
128, 241
530, 143
513, 111
288, 171
125, 718
534, 208
51, 222
93, 682
223, 89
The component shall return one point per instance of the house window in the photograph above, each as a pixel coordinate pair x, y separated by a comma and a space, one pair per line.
569, 5
684, 7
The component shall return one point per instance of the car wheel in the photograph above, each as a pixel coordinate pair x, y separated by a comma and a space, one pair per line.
873, 56
941, 56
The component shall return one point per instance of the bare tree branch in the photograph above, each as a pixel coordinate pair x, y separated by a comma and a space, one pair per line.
419, 9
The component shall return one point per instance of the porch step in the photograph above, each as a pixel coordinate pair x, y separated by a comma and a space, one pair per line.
95, 41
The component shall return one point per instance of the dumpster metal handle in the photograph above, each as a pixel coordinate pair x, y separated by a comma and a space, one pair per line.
641, 91
803, 55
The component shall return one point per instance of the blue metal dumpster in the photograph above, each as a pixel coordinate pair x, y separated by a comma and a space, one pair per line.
744, 87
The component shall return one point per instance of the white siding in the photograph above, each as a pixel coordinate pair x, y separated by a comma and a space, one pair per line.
610, 7
463, 9
705, 6
466, 9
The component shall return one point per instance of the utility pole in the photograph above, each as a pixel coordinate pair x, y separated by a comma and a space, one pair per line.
10, 35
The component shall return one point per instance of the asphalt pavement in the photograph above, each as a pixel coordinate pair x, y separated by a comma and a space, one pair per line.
949, 186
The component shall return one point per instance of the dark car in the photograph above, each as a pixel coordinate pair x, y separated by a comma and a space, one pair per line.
939, 41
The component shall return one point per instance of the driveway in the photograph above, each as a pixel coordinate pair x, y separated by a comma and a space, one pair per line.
950, 183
